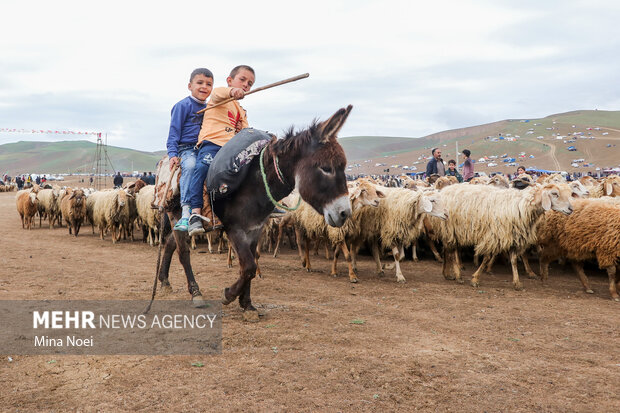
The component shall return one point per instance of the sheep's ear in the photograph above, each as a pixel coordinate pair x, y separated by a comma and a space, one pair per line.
72, 195
426, 204
380, 194
546, 200
608, 188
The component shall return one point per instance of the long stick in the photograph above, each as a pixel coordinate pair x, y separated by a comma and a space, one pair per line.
258, 89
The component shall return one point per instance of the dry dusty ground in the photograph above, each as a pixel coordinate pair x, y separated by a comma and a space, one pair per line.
428, 345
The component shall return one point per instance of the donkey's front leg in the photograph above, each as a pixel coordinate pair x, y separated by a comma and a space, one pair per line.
183, 251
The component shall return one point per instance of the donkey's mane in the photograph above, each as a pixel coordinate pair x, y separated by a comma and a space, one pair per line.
293, 140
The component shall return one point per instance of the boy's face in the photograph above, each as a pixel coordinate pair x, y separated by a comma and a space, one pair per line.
244, 79
451, 166
201, 86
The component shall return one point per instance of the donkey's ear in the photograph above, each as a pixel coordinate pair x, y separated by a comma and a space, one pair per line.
330, 128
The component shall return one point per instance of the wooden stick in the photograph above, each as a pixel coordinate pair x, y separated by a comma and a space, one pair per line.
258, 89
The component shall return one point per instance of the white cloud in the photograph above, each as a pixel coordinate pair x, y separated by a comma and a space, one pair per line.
409, 68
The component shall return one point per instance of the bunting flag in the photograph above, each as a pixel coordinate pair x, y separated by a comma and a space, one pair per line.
63, 132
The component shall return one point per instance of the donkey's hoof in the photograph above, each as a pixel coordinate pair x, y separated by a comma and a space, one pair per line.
460, 281
449, 277
166, 289
198, 301
474, 284
518, 286
354, 280
589, 291
616, 299
381, 273
225, 299
251, 316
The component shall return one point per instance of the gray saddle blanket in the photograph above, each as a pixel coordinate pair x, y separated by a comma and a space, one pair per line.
231, 164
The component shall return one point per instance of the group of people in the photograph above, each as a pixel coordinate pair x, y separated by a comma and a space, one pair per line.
435, 166
195, 138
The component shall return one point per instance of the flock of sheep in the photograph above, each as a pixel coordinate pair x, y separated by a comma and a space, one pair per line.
574, 221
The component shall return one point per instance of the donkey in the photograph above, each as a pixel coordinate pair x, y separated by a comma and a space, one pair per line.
311, 161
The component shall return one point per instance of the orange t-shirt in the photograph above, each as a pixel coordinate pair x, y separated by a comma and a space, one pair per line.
218, 124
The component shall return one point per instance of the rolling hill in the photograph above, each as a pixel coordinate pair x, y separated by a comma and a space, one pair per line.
543, 142
540, 143
70, 157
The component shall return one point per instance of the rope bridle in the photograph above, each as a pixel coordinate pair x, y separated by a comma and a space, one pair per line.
280, 177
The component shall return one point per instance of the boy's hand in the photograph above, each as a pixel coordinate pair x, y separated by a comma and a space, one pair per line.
237, 93
173, 162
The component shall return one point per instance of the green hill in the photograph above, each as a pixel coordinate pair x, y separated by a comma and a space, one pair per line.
595, 134
70, 157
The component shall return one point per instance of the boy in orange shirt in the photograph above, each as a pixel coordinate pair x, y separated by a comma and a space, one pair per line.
219, 126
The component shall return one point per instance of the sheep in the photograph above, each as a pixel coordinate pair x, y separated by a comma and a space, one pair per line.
609, 186
588, 180
479, 180
27, 207
499, 181
493, 221
310, 225
48, 205
73, 207
442, 182
396, 223
362, 195
150, 218
592, 231
108, 210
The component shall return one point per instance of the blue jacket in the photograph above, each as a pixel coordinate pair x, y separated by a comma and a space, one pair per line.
184, 124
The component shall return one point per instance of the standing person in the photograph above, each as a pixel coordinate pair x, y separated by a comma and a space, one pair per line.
183, 135
218, 127
435, 165
118, 180
452, 170
150, 179
468, 166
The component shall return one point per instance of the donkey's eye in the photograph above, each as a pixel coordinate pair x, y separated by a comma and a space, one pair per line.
327, 169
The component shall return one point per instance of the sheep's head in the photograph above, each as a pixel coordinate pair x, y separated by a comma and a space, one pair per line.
499, 181
578, 190
78, 196
33, 198
552, 196
430, 203
365, 194
611, 185
442, 182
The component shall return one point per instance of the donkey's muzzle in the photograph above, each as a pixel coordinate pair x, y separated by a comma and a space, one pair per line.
337, 211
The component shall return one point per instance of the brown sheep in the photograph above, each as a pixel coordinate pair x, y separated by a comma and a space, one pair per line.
592, 231
27, 207
73, 208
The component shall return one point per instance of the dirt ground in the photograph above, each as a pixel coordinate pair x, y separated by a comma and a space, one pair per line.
322, 344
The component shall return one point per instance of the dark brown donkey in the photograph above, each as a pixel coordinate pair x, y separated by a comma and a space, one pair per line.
311, 161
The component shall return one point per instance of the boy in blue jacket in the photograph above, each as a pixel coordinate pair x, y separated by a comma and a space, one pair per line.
183, 135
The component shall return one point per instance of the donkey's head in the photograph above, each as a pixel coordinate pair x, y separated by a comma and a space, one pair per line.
319, 174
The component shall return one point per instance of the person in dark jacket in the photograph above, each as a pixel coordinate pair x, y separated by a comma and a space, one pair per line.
452, 170
118, 180
435, 165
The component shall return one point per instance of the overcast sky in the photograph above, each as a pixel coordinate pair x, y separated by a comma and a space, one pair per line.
409, 68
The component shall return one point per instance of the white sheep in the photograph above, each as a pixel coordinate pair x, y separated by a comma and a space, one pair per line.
494, 221
108, 211
150, 217
396, 223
